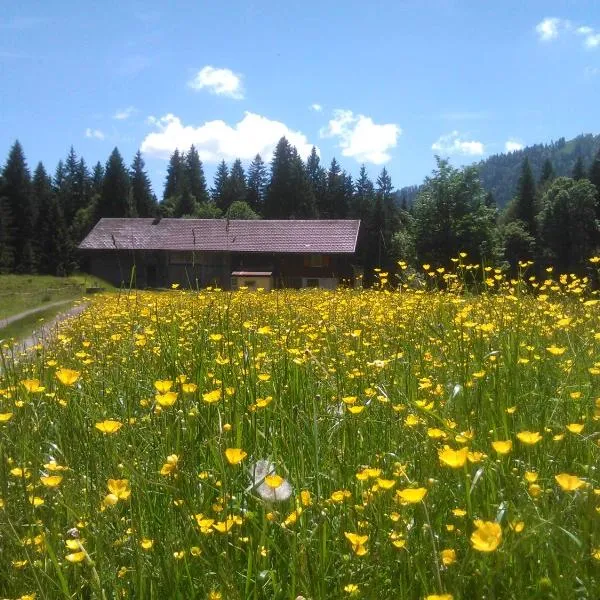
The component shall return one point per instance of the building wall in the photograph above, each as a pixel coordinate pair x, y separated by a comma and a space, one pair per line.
160, 269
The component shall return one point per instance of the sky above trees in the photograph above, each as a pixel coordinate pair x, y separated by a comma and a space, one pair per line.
385, 83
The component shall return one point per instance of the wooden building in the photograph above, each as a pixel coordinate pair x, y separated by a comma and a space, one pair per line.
155, 253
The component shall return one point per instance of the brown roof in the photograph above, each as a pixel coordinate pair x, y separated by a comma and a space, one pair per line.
220, 235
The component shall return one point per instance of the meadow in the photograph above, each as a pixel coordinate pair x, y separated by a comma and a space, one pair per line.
424, 442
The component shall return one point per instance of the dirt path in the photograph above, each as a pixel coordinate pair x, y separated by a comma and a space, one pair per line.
49, 329
32, 311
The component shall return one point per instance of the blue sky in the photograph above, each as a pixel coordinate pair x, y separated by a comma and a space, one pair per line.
381, 82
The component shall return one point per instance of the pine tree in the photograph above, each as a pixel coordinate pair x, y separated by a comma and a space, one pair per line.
69, 189
51, 233
578, 170
277, 201
219, 191
236, 184
257, 184
114, 199
336, 207
176, 175
302, 203
194, 174
16, 188
97, 179
142, 198
524, 207
317, 176
7, 249
547, 172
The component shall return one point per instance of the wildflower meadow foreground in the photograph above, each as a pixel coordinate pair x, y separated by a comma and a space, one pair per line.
404, 444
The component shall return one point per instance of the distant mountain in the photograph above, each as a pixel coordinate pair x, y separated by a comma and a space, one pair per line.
500, 173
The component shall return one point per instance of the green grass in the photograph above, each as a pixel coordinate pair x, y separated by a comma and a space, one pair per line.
19, 293
352, 396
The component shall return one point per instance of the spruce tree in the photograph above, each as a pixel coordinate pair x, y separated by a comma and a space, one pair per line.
16, 188
594, 177
219, 191
317, 176
97, 179
236, 184
547, 172
578, 170
257, 183
52, 241
336, 207
175, 181
194, 174
278, 197
114, 200
524, 207
7, 248
142, 198
302, 203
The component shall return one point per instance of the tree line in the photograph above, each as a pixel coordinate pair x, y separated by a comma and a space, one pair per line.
551, 220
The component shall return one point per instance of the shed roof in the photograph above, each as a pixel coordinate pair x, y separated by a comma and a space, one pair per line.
222, 235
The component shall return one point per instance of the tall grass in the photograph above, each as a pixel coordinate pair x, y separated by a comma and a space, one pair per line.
352, 397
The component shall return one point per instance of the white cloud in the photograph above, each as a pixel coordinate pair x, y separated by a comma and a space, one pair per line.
592, 40
360, 138
125, 113
216, 140
316, 107
222, 82
548, 28
551, 27
94, 133
512, 145
452, 143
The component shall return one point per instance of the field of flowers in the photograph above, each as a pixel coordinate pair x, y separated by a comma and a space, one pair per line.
402, 444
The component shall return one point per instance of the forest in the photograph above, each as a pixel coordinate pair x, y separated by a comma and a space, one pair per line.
540, 204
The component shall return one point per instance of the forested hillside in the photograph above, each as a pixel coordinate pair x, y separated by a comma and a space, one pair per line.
500, 173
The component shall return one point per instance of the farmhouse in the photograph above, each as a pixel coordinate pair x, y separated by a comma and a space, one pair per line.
220, 252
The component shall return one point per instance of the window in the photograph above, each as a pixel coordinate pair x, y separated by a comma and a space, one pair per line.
316, 260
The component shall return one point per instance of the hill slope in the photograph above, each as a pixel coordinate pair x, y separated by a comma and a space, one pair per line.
500, 173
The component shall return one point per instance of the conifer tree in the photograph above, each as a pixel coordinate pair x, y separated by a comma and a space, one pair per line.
194, 174
16, 188
277, 200
257, 184
114, 200
317, 176
547, 172
236, 184
97, 179
175, 181
52, 240
302, 203
578, 170
336, 207
594, 177
142, 199
7, 249
524, 207
219, 191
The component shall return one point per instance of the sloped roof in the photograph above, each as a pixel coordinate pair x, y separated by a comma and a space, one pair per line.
221, 235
